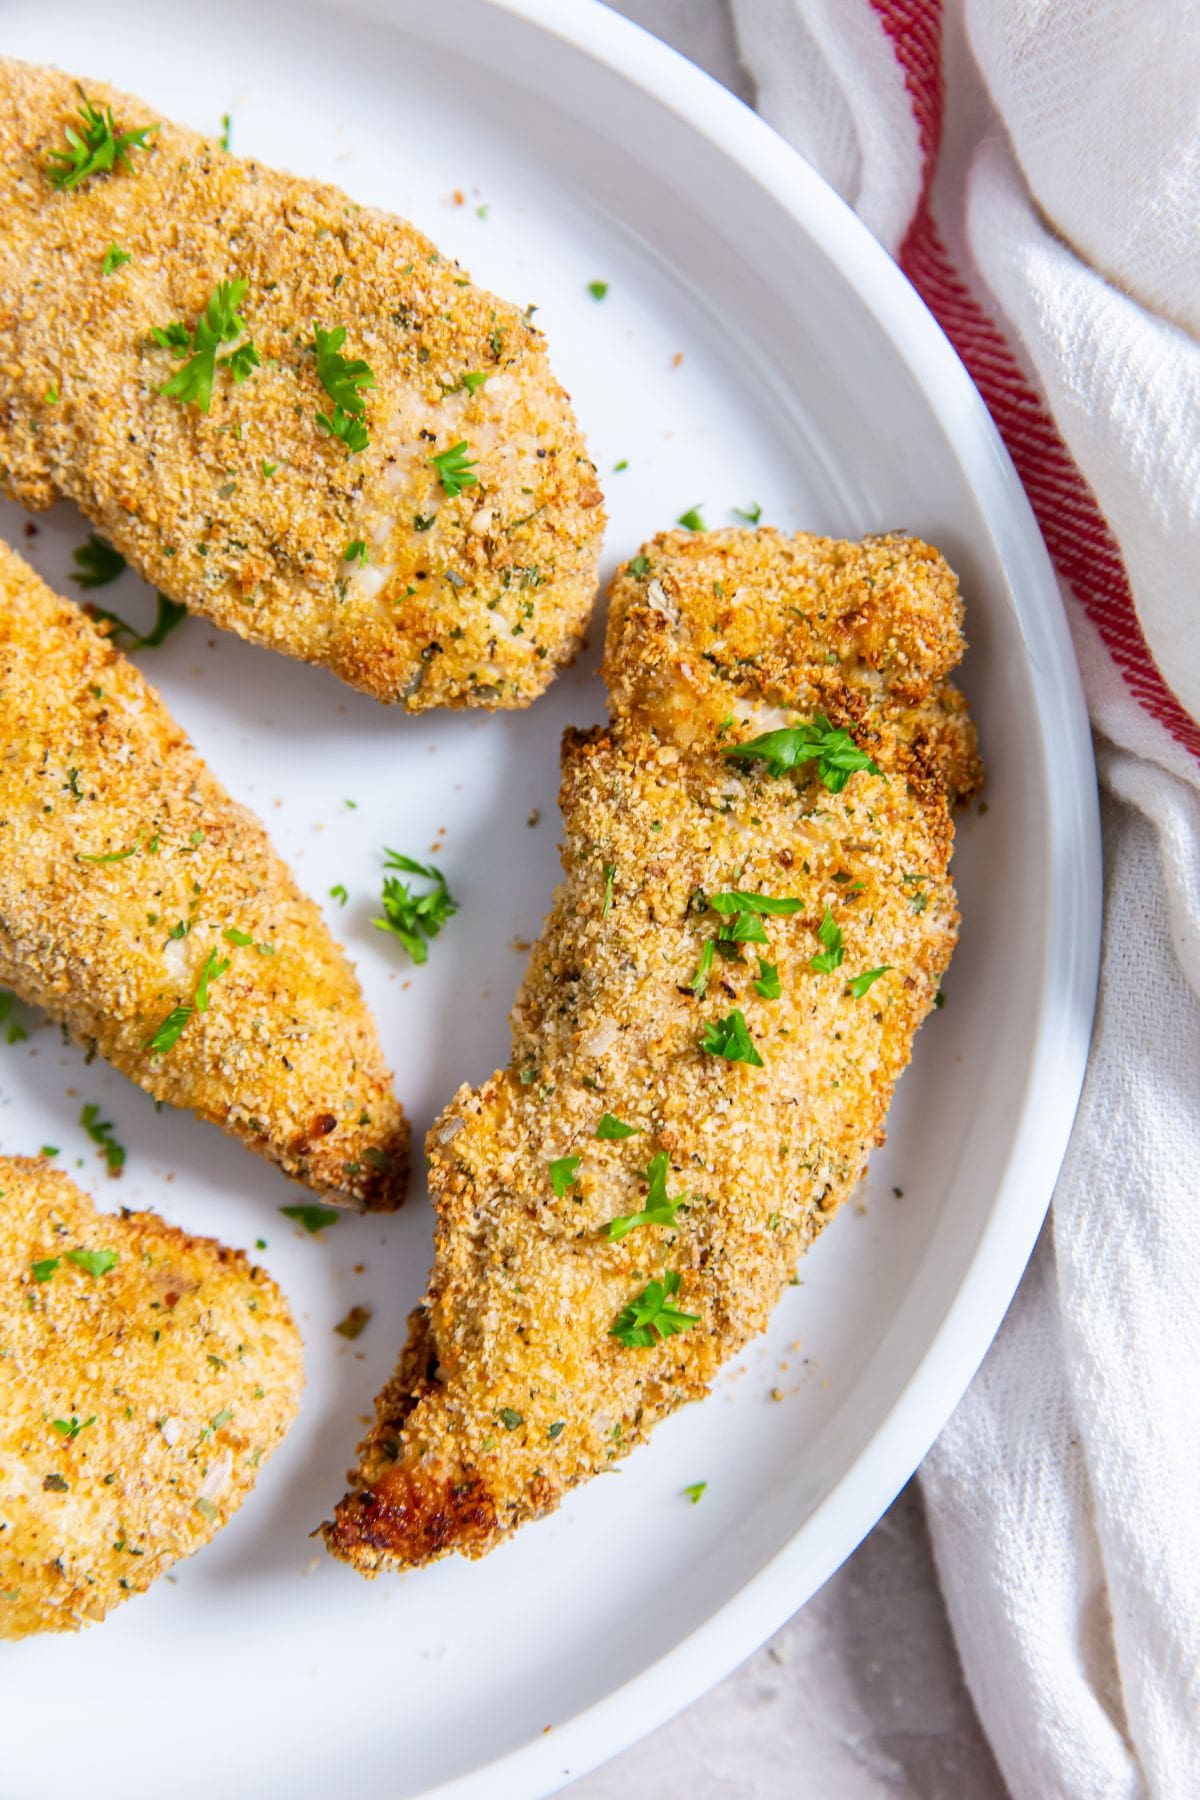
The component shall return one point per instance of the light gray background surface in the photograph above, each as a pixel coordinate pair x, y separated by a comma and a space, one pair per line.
861, 1694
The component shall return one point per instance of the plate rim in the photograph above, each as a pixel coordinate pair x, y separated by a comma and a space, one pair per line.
1071, 959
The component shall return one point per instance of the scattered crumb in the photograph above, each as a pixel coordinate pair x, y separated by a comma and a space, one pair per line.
677, 359
534, 816
776, 1393
354, 1323
520, 944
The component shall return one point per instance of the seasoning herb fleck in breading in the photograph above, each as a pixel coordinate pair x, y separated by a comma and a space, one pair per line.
619, 1208
147, 1374
269, 374
146, 910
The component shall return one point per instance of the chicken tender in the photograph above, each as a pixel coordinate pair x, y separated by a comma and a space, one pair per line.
148, 912
146, 1376
409, 503
707, 1038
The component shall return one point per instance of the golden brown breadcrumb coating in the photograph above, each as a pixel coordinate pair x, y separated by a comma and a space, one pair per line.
513, 1385
246, 513
126, 871
142, 1385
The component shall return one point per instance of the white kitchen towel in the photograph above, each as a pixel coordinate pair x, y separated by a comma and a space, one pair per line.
1034, 165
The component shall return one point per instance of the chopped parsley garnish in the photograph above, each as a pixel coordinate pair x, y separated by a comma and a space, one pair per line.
71, 1428
413, 918
658, 1210
354, 1323
314, 1218
424, 521
101, 1132
473, 382
752, 513
860, 983
510, 1418
16, 1033
769, 904
692, 519
338, 893
620, 467
241, 940
731, 1039
168, 1033
699, 981
95, 149
746, 928
562, 1174
455, 470
610, 870
48, 1150
833, 955
96, 563
768, 980
356, 552
219, 323
597, 289
651, 1318
226, 127
613, 1128
44, 1270
344, 380
833, 750
694, 1492
639, 565
268, 469
215, 966
114, 258
94, 1262
108, 856
168, 614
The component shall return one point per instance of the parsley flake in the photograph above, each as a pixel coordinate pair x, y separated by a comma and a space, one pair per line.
101, 1132
769, 904
639, 565
473, 382
219, 323
354, 1323
414, 918
168, 614
114, 258
94, 150
699, 981
830, 934
96, 563
455, 471
833, 750
731, 1039
612, 1128
597, 289
694, 1492
44, 1270
562, 1174
860, 983
338, 893
71, 1428
692, 519
658, 1210
768, 980
344, 380
314, 1218
752, 513
94, 1262
356, 552
651, 1318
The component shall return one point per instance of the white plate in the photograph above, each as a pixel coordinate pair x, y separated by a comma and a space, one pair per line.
813, 382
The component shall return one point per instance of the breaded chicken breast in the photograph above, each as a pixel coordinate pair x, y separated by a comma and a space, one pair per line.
756, 913
390, 482
148, 912
146, 1375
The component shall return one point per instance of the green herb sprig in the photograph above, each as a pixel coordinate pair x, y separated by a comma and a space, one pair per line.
414, 918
